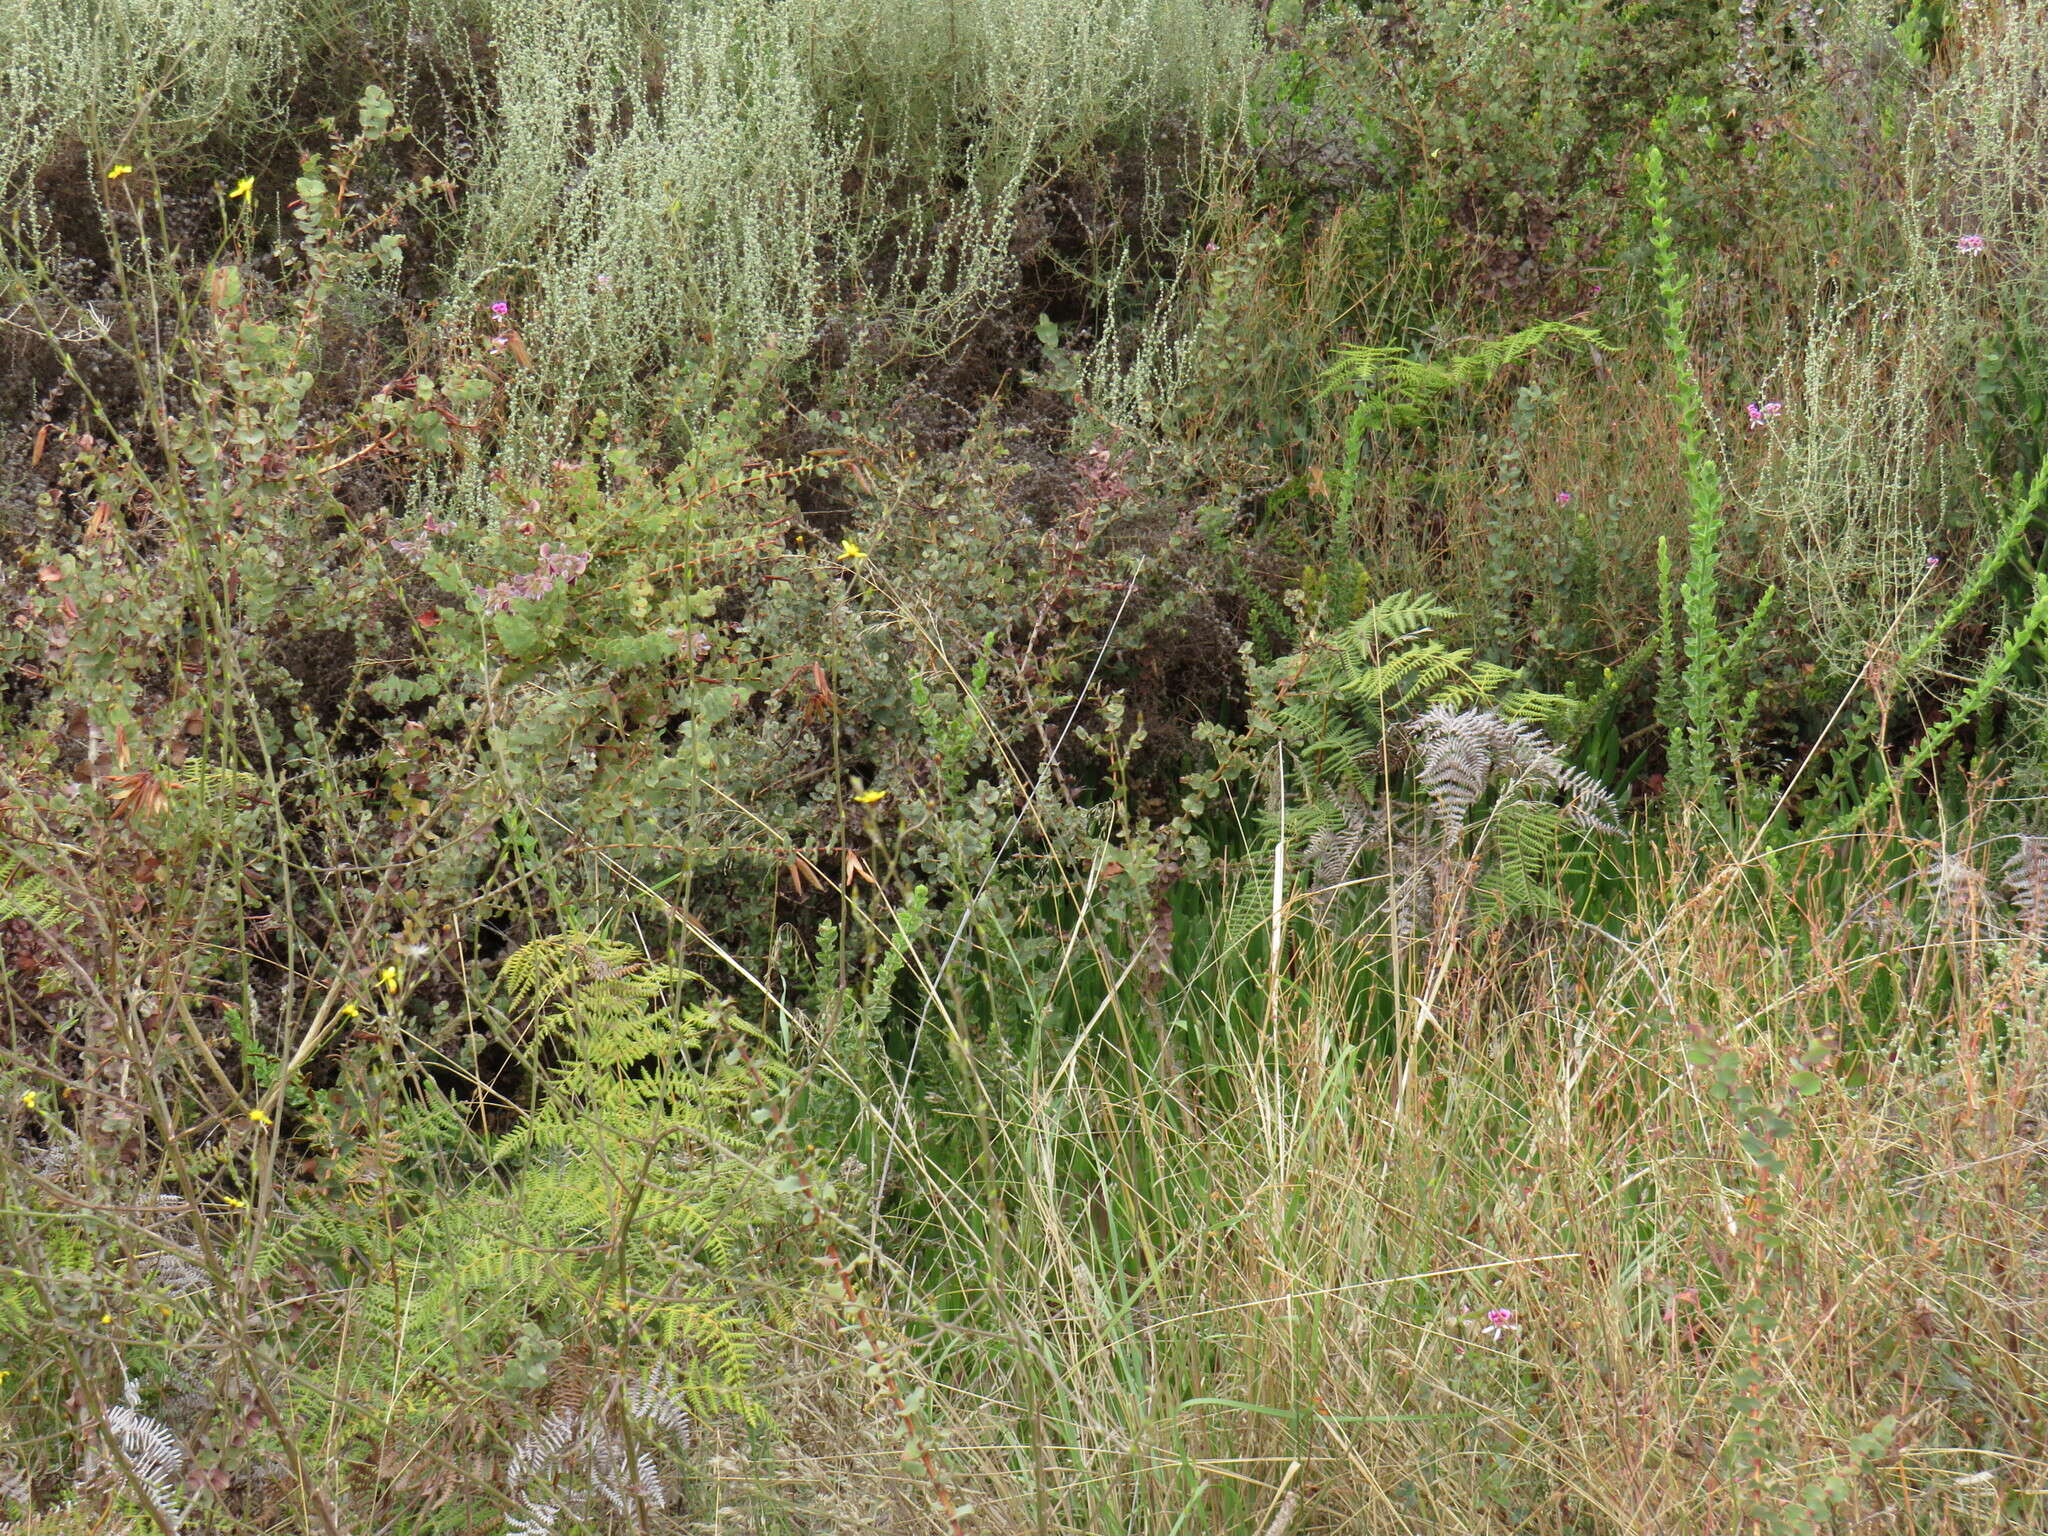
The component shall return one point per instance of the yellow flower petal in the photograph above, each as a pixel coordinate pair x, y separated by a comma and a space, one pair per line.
116, 172
389, 978
236, 1205
259, 1117
870, 796
848, 550
243, 188
351, 1011
29, 1099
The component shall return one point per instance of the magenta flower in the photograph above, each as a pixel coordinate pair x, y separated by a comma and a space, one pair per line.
1564, 498
1970, 245
500, 308
1762, 414
1500, 1320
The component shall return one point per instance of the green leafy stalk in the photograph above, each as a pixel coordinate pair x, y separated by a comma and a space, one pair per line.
1702, 702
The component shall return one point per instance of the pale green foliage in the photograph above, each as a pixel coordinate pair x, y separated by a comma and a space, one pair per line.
1037, 76
130, 79
1857, 461
1864, 473
1978, 152
671, 181
644, 224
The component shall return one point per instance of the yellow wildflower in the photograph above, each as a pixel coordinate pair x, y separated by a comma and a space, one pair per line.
235, 1205
848, 550
106, 1318
116, 172
388, 978
243, 188
351, 1011
29, 1099
259, 1117
870, 796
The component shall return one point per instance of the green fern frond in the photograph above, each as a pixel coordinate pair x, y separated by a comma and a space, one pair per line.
1389, 375
1400, 616
29, 896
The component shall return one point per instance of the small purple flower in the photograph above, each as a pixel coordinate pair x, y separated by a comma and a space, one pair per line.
1501, 1320
556, 568
1970, 245
1564, 498
1933, 561
500, 308
1763, 413
418, 548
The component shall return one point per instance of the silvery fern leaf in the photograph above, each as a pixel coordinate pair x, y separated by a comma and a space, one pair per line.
1464, 753
655, 1401
2026, 882
542, 1447
153, 1456
533, 1519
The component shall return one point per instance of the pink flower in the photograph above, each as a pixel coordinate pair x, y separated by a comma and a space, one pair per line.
557, 567
500, 308
1970, 245
1764, 413
1499, 1321
1564, 498
419, 547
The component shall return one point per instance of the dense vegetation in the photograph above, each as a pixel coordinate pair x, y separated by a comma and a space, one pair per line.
1128, 767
